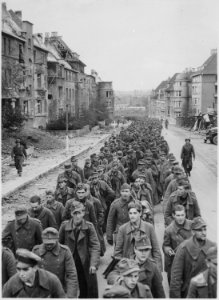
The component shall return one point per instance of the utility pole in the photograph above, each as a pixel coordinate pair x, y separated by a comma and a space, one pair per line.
67, 141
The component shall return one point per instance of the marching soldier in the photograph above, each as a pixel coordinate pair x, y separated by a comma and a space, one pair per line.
73, 178
76, 168
8, 264
30, 281
55, 207
189, 259
178, 231
81, 237
204, 285
24, 231
41, 213
57, 259
187, 153
129, 279
63, 192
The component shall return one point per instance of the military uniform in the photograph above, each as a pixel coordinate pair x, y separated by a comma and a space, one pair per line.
45, 216
8, 264
58, 261
18, 153
188, 262
73, 178
57, 209
43, 285
85, 248
174, 235
62, 195
24, 236
190, 203
203, 286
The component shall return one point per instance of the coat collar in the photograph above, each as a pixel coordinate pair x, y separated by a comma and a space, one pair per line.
55, 250
42, 279
185, 226
70, 226
25, 226
194, 249
129, 227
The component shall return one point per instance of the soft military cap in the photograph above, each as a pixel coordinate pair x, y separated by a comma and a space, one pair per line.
198, 223
17, 141
119, 153
143, 243
141, 162
27, 257
50, 235
74, 158
125, 186
20, 212
77, 206
117, 291
68, 165
128, 266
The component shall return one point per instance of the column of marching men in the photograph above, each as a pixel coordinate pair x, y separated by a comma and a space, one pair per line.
54, 245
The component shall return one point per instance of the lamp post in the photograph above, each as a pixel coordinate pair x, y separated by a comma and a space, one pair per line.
67, 140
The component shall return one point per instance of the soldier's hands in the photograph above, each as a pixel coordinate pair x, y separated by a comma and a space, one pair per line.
110, 242
171, 252
92, 270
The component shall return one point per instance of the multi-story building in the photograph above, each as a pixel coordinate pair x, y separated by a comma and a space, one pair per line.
204, 86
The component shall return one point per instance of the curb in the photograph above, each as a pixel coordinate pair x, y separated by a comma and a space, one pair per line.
23, 185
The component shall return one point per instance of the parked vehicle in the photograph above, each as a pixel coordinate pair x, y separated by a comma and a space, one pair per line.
211, 135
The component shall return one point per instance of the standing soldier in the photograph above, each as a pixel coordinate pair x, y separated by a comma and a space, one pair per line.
116, 178
30, 281
41, 213
81, 237
24, 231
88, 169
63, 192
76, 168
187, 153
18, 153
178, 231
57, 259
189, 259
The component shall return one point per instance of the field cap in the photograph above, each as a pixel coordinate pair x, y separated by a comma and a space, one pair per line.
77, 206
198, 223
128, 266
143, 243
50, 235
27, 257
20, 212
125, 186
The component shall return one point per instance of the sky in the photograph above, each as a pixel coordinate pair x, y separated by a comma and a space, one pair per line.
133, 43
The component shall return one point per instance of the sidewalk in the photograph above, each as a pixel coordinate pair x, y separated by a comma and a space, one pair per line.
49, 160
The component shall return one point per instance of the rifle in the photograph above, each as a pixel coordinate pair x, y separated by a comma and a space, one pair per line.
111, 266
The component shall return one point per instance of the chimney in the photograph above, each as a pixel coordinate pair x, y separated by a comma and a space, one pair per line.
18, 13
213, 51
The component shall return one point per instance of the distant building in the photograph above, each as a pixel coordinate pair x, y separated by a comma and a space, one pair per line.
204, 86
106, 97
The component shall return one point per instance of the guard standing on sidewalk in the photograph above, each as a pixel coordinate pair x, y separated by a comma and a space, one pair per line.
18, 153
